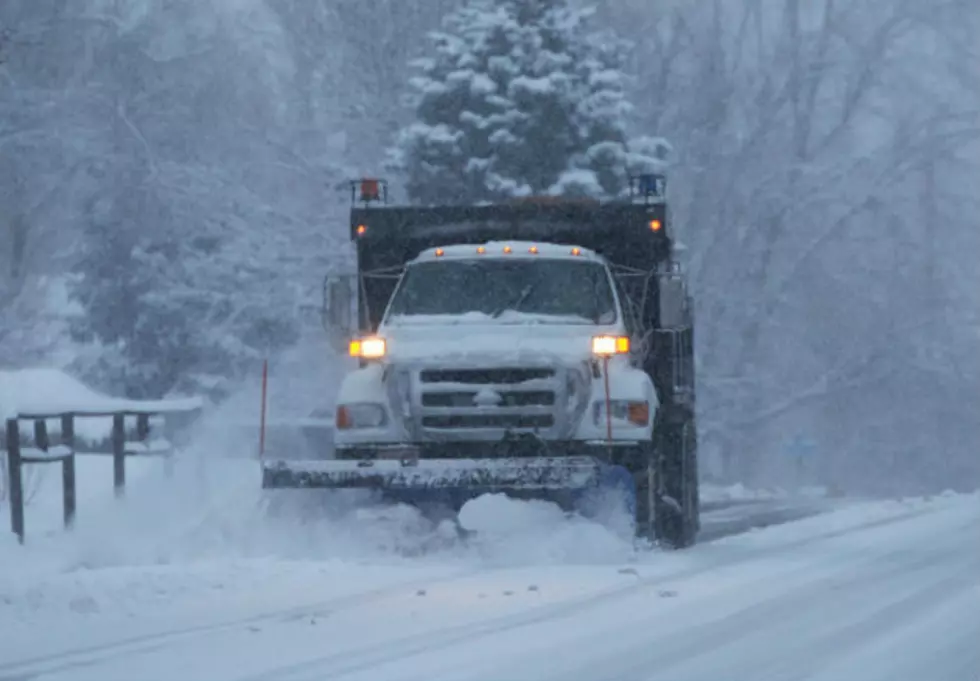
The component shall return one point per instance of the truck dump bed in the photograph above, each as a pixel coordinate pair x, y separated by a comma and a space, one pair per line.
633, 235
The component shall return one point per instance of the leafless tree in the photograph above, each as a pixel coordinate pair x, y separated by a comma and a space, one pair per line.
810, 138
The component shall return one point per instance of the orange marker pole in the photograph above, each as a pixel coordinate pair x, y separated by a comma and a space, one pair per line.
265, 389
605, 371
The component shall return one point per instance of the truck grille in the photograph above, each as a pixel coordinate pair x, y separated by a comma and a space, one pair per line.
506, 421
485, 376
485, 403
508, 398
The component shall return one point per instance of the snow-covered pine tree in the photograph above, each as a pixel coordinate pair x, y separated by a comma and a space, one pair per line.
127, 346
180, 291
519, 97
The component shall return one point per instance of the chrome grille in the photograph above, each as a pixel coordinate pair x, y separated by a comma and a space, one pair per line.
485, 403
495, 375
505, 421
508, 398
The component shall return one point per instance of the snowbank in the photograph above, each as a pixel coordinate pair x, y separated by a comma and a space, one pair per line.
51, 391
713, 493
39, 391
8, 405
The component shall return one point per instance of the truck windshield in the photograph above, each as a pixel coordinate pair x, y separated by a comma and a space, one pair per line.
509, 291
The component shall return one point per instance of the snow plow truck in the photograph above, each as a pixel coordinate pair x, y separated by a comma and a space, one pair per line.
540, 348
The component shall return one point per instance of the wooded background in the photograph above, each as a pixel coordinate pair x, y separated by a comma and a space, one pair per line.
169, 201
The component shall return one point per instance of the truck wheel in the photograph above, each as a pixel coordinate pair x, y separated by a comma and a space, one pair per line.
675, 491
693, 481
645, 479
669, 522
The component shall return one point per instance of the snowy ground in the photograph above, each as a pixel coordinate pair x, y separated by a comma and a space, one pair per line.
192, 579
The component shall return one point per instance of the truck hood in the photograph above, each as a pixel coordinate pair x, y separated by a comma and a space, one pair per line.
474, 343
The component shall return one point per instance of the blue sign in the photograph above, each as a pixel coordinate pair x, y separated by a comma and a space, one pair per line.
801, 447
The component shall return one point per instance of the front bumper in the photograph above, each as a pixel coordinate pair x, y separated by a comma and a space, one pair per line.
484, 474
566, 481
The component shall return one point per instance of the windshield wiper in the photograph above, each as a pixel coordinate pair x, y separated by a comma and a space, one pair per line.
515, 306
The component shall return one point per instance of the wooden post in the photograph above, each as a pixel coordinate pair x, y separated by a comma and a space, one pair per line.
143, 427
119, 453
16, 482
41, 440
68, 469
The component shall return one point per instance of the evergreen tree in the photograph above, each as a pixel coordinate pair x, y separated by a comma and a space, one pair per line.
138, 341
175, 298
519, 98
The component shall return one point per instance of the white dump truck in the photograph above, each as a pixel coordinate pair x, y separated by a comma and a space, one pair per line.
540, 348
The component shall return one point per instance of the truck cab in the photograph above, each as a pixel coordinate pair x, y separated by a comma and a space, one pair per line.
497, 342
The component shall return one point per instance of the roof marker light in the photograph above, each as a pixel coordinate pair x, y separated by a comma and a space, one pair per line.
533, 250
576, 251
440, 252
481, 249
508, 249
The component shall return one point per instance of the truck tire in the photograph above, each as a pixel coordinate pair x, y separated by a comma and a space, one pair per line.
676, 516
645, 478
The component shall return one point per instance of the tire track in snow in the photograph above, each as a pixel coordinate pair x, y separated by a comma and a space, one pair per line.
932, 594
25, 669
90, 655
667, 656
660, 651
367, 657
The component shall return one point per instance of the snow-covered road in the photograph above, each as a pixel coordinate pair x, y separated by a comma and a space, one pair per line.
884, 590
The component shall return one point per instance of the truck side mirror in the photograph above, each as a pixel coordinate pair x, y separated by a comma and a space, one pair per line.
338, 314
674, 309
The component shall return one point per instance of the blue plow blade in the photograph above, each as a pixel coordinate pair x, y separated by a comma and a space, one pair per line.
574, 483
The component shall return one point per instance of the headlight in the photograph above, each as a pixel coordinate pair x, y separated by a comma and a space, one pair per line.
368, 348
607, 346
637, 413
360, 416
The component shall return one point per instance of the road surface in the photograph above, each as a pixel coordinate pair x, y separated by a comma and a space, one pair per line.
877, 591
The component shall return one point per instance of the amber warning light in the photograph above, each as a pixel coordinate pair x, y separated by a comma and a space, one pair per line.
370, 190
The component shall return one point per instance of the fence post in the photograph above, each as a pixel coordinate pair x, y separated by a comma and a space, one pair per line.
119, 453
15, 480
68, 468
41, 440
143, 427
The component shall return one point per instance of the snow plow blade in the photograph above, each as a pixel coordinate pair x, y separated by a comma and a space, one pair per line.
563, 480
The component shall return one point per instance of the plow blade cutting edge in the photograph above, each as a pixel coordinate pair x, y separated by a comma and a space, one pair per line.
567, 481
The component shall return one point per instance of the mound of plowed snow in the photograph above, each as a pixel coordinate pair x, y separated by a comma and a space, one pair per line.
515, 532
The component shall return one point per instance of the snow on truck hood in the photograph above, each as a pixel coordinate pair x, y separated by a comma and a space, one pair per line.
512, 336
